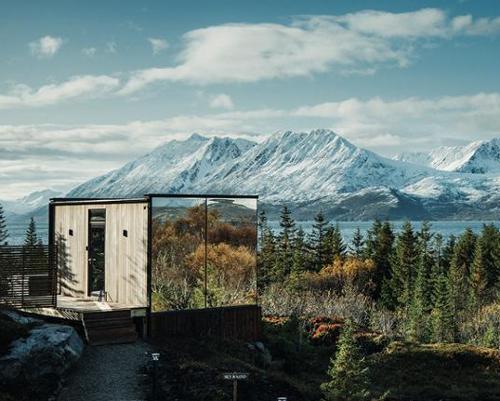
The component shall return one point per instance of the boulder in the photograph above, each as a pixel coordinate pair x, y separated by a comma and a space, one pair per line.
39, 361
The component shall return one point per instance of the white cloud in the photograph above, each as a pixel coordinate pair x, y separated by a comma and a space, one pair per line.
222, 101
89, 51
46, 46
111, 47
158, 45
386, 126
358, 42
87, 85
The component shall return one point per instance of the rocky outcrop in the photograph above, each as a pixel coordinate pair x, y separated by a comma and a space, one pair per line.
35, 365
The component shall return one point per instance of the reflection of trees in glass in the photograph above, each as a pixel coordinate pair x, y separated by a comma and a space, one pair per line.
179, 258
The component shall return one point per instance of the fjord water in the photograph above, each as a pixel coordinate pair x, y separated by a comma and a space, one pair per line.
444, 227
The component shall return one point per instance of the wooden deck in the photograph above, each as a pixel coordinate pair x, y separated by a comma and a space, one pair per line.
75, 308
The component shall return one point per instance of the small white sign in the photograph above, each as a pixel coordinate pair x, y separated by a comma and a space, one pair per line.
235, 376
155, 356
282, 399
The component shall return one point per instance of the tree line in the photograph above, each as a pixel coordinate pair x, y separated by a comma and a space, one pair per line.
434, 285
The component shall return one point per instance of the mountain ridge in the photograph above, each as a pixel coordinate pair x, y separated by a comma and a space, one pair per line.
318, 169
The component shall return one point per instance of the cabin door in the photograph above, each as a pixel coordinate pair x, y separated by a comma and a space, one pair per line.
96, 252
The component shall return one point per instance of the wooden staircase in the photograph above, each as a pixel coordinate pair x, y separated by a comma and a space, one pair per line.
113, 327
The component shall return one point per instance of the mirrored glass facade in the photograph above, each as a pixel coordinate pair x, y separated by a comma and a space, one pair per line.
203, 252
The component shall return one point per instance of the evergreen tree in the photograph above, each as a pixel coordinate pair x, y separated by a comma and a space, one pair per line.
348, 371
421, 302
31, 238
285, 246
490, 249
299, 258
459, 271
267, 254
403, 267
337, 244
357, 244
4, 234
443, 324
448, 252
478, 279
379, 247
319, 244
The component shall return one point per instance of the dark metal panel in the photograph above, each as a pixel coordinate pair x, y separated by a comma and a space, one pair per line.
26, 276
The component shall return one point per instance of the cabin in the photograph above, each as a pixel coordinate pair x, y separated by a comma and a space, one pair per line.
160, 265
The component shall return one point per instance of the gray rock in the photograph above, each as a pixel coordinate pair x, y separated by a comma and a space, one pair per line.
40, 360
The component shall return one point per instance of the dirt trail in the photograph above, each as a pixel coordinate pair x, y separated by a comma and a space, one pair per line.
108, 373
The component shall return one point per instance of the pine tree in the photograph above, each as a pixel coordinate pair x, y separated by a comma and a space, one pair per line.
31, 238
421, 301
459, 271
348, 371
319, 245
478, 279
490, 249
379, 248
299, 258
4, 234
337, 244
403, 267
267, 254
285, 245
443, 323
357, 244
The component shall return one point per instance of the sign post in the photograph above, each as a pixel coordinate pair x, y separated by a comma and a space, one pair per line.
235, 377
156, 357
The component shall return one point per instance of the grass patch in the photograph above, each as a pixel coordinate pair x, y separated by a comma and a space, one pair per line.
436, 372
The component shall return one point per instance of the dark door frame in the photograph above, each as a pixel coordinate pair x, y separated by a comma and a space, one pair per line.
90, 265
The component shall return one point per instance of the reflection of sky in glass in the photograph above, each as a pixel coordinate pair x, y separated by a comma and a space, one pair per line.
250, 203
246, 202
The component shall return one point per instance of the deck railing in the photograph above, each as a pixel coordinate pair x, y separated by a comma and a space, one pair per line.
231, 322
27, 276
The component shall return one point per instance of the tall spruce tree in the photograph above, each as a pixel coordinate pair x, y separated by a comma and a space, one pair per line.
478, 278
421, 302
320, 251
285, 245
337, 244
379, 248
267, 253
357, 244
459, 271
299, 258
348, 371
4, 234
443, 323
31, 237
490, 249
403, 263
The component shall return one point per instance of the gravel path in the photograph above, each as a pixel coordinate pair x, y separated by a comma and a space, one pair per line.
108, 373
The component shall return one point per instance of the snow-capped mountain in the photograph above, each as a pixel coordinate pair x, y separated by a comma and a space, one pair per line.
307, 170
29, 202
307, 166
478, 157
176, 166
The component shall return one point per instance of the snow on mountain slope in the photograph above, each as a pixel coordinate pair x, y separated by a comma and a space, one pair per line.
310, 165
175, 166
477, 157
30, 202
310, 171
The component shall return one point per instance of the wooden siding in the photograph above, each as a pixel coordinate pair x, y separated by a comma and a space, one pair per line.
126, 257
232, 322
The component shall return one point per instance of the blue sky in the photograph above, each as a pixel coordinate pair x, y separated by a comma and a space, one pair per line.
86, 86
